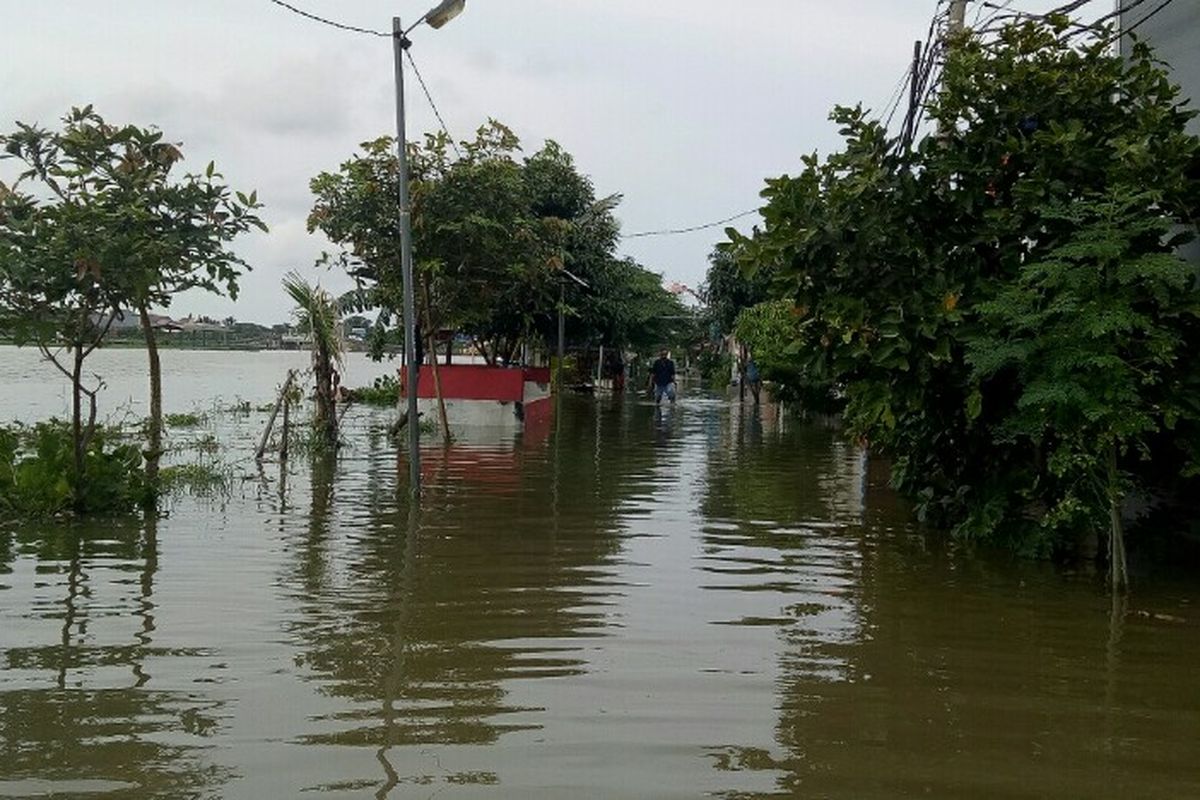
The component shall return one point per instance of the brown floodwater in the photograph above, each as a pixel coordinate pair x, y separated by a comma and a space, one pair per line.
701, 601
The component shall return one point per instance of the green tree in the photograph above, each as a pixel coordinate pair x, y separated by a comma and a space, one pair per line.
911, 270
770, 332
1091, 338
491, 234
629, 307
732, 285
318, 315
104, 229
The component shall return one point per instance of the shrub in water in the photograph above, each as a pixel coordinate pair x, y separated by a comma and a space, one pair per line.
37, 473
385, 391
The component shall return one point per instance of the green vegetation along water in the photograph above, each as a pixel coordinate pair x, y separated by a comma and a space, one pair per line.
703, 600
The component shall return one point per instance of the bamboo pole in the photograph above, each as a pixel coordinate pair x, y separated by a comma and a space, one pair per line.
262, 444
283, 437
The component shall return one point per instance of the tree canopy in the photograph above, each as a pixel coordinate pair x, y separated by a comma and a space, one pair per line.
96, 226
492, 235
1002, 306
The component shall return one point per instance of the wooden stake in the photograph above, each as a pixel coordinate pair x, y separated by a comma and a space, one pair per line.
262, 444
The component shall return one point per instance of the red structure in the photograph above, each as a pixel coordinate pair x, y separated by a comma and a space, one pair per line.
480, 395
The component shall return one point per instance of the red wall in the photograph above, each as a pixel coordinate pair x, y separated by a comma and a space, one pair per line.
537, 374
471, 382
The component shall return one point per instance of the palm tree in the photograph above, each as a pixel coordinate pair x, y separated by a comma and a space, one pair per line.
319, 315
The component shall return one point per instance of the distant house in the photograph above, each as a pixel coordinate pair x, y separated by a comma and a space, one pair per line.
1173, 30
192, 323
159, 322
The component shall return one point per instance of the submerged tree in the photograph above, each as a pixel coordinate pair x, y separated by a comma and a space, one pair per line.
492, 234
1000, 305
95, 228
318, 315
1091, 338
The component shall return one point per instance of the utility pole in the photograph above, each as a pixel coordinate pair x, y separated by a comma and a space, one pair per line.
399, 43
914, 97
958, 16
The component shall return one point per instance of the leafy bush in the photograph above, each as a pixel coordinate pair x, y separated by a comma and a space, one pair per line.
1002, 305
771, 332
37, 474
384, 392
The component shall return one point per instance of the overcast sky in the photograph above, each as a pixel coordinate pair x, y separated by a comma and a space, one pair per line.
683, 106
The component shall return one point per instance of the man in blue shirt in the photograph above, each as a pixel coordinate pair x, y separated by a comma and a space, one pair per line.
662, 373
753, 379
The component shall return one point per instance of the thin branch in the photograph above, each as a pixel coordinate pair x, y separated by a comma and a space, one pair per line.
53, 359
104, 332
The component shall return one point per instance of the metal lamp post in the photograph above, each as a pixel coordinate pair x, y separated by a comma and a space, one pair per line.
436, 18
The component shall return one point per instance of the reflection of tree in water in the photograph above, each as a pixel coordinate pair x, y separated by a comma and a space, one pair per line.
420, 622
67, 722
763, 464
907, 671
970, 669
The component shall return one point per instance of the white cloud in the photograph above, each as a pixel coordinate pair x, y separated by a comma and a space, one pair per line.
685, 106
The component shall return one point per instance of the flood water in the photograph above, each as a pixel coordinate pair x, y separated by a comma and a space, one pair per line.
702, 601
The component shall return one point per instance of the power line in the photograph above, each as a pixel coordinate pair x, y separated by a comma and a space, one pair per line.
1138, 24
432, 104
894, 100
354, 29
690, 229
329, 22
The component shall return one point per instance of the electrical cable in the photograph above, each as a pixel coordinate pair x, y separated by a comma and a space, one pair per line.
1140, 22
690, 229
1119, 11
353, 29
331, 23
893, 103
1000, 8
918, 79
432, 104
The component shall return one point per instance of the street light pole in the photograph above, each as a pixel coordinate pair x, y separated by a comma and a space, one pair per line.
399, 43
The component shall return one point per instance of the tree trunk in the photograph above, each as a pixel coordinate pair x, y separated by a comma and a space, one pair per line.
326, 413
154, 433
77, 423
437, 378
1118, 570
481, 349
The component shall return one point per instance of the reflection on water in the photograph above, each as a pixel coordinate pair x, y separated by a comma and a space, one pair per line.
79, 651
633, 602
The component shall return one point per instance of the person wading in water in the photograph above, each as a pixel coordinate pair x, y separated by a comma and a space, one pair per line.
662, 375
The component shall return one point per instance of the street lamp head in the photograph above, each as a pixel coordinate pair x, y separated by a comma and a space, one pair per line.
445, 11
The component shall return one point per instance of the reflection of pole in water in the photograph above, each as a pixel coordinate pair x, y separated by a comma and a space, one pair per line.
399, 651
